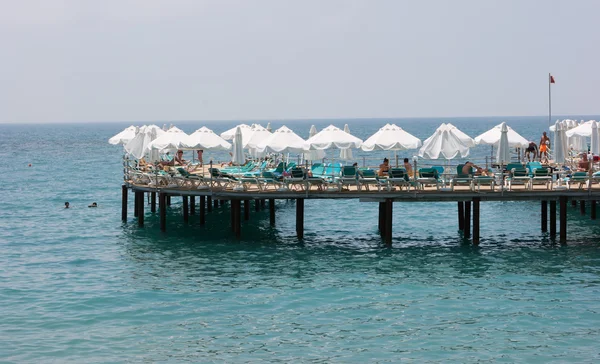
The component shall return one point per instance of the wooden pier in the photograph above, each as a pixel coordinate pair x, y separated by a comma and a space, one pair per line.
468, 204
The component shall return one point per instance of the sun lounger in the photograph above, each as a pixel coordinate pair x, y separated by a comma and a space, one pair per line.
462, 179
428, 176
397, 177
542, 176
519, 176
580, 178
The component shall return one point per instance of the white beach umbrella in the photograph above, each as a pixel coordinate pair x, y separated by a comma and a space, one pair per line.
503, 152
172, 139
124, 136
391, 137
584, 129
246, 133
137, 147
447, 142
494, 135
283, 140
238, 148
314, 155
259, 134
466, 140
559, 152
205, 139
346, 153
594, 147
332, 138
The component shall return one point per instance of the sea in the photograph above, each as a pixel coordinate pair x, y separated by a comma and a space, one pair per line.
78, 285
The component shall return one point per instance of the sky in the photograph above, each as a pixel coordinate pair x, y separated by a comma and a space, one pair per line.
175, 60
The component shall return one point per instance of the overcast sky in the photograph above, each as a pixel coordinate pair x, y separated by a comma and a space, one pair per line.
149, 60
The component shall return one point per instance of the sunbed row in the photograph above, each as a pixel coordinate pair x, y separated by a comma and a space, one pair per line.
298, 178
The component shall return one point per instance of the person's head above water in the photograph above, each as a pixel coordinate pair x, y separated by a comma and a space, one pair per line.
93, 205
66, 205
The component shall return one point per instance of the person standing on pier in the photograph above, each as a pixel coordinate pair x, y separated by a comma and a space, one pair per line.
532, 148
544, 145
408, 167
200, 161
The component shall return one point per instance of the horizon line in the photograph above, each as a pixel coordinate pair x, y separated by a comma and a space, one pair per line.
282, 119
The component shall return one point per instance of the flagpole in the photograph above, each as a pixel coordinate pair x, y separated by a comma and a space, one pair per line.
549, 99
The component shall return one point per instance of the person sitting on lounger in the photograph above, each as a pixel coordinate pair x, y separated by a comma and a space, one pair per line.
384, 167
177, 161
584, 163
468, 168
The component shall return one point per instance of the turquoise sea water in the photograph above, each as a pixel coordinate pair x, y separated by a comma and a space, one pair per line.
77, 285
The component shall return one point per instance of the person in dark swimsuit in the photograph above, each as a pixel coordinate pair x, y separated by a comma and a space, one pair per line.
532, 148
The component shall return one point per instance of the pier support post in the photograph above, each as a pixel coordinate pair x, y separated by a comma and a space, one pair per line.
563, 219
236, 206
232, 215
216, 203
389, 206
136, 203
544, 216
209, 204
574, 203
381, 224
300, 218
162, 210
461, 215
467, 221
582, 207
192, 205
186, 210
221, 202
271, 211
552, 219
593, 209
168, 200
476, 201
256, 205
141, 209
124, 203
263, 204
246, 210
202, 210
153, 202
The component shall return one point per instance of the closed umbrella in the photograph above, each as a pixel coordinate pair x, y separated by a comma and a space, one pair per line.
594, 147
559, 143
346, 153
238, 148
503, 152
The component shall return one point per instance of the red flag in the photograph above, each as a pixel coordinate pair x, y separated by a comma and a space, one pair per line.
552, 79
